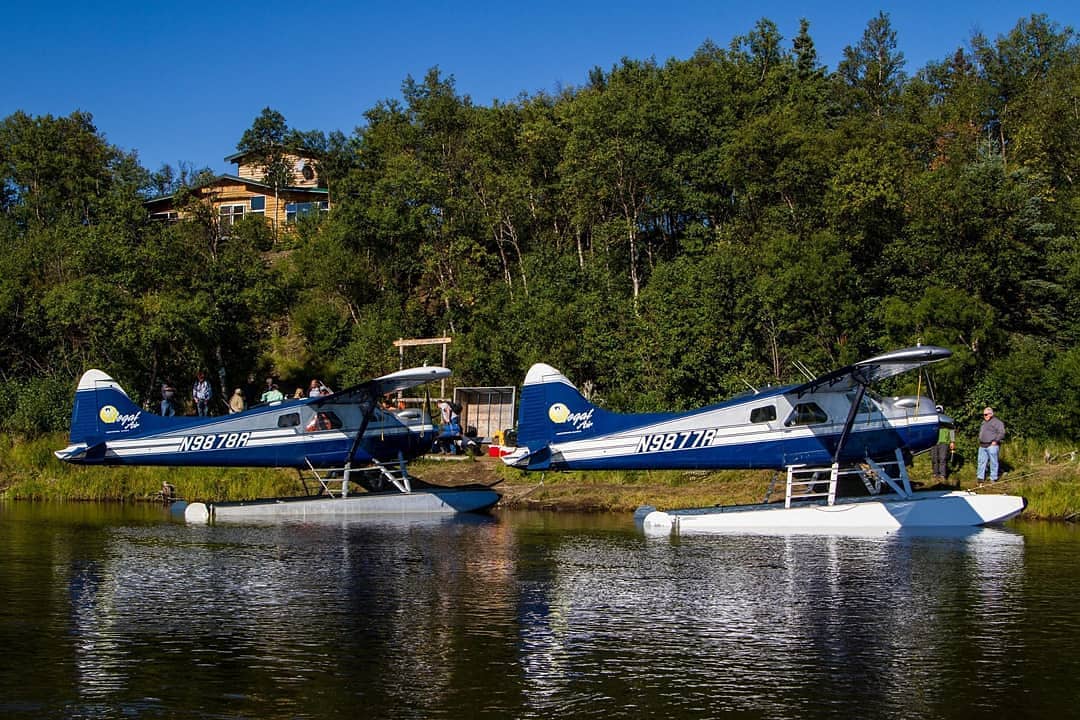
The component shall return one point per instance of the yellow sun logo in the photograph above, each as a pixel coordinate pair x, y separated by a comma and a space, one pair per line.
558, 413
109, 414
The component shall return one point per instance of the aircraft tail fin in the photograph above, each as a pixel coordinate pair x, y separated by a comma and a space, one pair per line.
552, 409
102, 410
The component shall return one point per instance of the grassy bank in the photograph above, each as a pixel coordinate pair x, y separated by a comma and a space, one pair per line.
30, 471
1048, 475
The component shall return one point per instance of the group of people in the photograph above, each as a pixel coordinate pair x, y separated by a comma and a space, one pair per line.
272, 393
202, 392
991, 434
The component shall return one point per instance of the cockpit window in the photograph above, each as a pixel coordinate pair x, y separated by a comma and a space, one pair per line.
806, 414
865, 405
763, 414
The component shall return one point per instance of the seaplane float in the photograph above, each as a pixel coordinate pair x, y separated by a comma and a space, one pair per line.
355, 451
825, 434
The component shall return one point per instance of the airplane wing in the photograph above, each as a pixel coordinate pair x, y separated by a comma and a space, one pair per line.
868, 372
394, 382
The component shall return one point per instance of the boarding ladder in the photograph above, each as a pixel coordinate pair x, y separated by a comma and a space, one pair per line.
803, 481
379, 475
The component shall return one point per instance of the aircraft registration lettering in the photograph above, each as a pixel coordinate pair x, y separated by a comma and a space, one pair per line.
686, 440
227, 441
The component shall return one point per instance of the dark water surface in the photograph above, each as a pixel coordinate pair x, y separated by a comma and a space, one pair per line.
118, 612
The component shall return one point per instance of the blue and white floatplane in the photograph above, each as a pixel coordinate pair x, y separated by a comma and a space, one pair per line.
819, 432
344, 441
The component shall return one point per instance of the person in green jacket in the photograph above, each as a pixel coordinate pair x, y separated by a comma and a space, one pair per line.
943, 450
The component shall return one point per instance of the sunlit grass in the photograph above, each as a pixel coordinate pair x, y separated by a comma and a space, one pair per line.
30, 471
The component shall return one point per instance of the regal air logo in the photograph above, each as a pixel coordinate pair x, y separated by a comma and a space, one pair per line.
559, 414
110, 415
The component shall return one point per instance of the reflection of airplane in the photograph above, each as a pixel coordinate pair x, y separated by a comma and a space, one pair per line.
818, 432
345, 433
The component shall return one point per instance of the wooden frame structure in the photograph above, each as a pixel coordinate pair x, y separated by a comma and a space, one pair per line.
402, 343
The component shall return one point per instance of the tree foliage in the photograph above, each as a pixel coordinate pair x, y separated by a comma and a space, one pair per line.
666, 234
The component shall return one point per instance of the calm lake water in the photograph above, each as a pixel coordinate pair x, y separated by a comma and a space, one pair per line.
119, 612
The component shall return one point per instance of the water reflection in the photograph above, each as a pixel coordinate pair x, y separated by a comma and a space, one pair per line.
526, 615
688, 622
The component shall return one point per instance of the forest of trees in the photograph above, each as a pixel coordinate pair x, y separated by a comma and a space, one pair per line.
664, 234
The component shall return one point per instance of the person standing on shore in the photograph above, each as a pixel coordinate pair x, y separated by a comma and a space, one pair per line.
991, 433
237, 403
201, 393
168, 394
946, 445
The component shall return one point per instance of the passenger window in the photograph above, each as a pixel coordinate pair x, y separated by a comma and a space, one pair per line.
290, 420
324, 420
806, 414
763, 414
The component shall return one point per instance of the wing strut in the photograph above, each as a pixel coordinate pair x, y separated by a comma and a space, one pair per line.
852, 412
367, 408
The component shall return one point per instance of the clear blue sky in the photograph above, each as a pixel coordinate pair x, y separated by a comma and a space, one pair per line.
180, 82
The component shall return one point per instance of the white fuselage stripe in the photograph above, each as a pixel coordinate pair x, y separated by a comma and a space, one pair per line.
138, 447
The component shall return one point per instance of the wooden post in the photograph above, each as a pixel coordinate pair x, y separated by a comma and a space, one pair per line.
402, 343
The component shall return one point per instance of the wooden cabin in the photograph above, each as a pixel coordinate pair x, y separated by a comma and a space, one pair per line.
246, 193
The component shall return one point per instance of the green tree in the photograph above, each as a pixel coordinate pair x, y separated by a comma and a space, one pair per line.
872, 70
265, 141
616, 171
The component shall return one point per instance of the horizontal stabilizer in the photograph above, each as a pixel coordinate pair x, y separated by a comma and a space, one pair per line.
80, 451
525, 459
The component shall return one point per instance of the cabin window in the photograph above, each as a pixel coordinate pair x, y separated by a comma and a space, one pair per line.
806, 414
293, 211
258, 205
229, 214
323, 420
763, 414
287, 421
865, 408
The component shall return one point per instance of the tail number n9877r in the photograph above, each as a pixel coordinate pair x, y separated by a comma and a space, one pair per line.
686, 440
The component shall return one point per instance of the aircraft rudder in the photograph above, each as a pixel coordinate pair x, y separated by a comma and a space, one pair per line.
549, 402
102, 407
